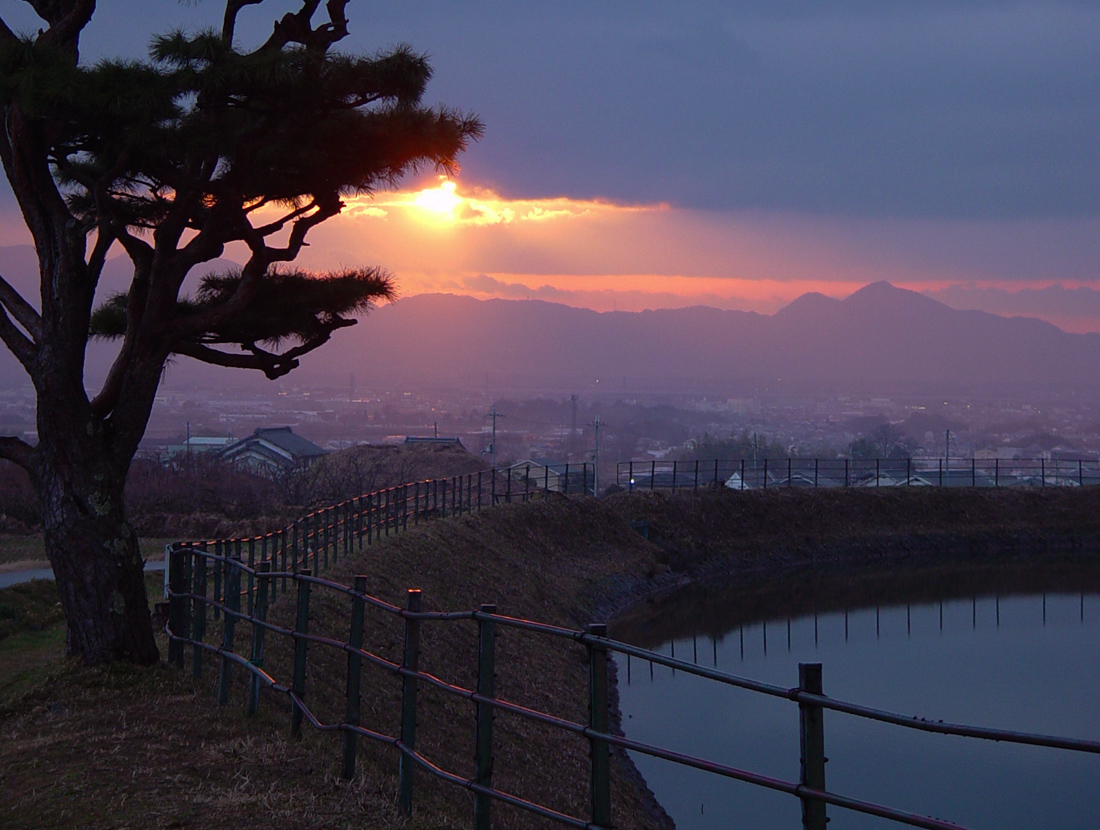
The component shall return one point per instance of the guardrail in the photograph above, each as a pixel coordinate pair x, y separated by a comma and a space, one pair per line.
745, 474
243, 595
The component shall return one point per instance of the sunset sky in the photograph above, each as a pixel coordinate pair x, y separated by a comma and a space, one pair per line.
735, 154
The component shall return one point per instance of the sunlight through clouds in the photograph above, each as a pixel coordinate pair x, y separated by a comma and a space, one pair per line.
447, 203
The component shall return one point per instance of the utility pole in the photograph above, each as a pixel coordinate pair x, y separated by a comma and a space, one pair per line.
573, 435
596, 468
493, 442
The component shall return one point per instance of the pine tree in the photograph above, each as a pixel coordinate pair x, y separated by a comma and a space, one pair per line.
171, 159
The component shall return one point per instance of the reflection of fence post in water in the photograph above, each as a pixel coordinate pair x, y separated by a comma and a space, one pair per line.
812, 744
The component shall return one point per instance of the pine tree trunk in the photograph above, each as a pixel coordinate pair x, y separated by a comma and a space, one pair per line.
97, 563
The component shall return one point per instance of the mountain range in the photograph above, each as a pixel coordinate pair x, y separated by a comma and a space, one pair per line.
879, 339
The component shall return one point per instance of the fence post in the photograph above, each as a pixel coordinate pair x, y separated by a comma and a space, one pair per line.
330, 533
264, 553
217, 578
847, 478
599, 721
742, 474
790, 482
198, 612
973, 472
908, 471
233, 603
483, 757
1043, 472
815, 473
301, 629
355, 661
251, 576
812, 742
358, 502
716, 472
940, 462
258, 637
177, 605
508, 489
479, 490
411, 663
1080, 473
347, 531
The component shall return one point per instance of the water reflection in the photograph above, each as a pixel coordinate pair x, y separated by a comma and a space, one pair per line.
1028, 663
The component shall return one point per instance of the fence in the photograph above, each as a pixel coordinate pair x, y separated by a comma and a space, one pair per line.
310, 541
745, 474
242, 594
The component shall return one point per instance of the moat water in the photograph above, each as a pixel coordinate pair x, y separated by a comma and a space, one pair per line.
1024, 662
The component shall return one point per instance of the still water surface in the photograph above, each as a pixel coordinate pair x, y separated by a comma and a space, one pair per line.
1026, 663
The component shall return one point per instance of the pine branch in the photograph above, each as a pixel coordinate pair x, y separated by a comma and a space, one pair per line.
18, 343
272, 364
229, 23
67, 19
297, 28
23, 312
17, 451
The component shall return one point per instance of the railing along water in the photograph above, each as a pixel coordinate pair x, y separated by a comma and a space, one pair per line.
189, 598
764, 473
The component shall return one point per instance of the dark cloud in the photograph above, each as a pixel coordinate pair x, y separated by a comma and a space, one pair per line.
942, 108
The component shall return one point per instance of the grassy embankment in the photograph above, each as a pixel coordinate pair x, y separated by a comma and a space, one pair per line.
112, 748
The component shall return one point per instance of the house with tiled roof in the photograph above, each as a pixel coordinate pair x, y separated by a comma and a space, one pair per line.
273, 449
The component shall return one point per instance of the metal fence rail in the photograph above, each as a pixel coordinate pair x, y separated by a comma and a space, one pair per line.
747, 474
244, 594
322, 536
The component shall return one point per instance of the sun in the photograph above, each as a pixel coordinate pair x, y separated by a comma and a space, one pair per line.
440, 202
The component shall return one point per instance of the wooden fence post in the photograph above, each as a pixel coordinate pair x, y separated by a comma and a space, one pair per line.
258, 632
233, 608
411, 663
301, 628
483, 755
218, 569
177, 605
251, 576
198, 611
599, 721
812, 743
355, 665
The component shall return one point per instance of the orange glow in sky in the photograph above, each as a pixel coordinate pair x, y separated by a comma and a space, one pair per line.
607, 256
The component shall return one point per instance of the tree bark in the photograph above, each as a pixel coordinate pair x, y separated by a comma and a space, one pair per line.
98, 566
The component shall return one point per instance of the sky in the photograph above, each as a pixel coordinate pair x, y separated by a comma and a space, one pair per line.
732, 153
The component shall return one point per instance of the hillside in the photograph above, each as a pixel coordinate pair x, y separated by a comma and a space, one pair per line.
86, 744
881, 337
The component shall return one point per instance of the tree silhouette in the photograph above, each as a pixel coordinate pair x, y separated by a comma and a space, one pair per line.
171, 159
